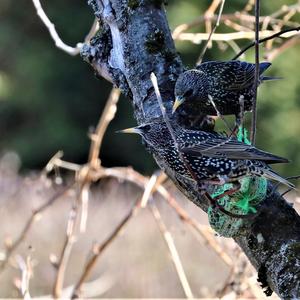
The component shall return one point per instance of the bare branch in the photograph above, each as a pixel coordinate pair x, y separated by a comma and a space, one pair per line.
148, 190
245, 20
141, 181
286, 45
249, 6
90, 289
57, 162
209, 14
197, 38
280, 34
99, 248
153, 183
256, 77
84, 200
53, 33
184, 216
35, 215
169, 126
221, 2
26, 274
173, 251
107, 116
66, 250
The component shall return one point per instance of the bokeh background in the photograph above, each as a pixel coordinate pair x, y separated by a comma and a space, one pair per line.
49, 101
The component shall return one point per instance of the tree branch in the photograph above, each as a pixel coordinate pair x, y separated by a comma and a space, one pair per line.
54, 35
270, 37
256, 77
136, 41
36, 212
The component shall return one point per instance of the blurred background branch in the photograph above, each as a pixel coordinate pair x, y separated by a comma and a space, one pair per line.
54, 35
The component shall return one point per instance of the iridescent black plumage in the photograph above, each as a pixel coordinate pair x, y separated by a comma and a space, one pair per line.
211, 157
225, 82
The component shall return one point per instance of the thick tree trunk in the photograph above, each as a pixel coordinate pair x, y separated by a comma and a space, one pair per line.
135, 40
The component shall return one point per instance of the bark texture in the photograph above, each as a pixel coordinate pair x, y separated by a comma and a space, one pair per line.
135, 40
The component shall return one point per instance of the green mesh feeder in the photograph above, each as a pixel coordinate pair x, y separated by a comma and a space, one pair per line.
243, 202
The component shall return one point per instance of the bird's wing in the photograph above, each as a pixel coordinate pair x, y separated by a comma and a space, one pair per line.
232, 75
229, 148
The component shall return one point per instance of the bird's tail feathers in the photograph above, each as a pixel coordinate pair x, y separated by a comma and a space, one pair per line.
270, 174
263, 66
270, 78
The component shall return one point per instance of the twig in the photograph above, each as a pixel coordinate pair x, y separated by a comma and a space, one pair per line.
277, 34
170, 128
99, 248
284, 9
141, 181
249, 5
26, 273
212, 32
29, 223
243, 17
56, 161
94, 28
288, 44
106, 117
91, 289
66, 250
211, 100
184, 216
84, 199
209, 14
153, 183
163, 109
53, 33
173, 251
235, 47
256, 77
138, 179
148, 190
237, 16
197, 38
286, 192
236, 26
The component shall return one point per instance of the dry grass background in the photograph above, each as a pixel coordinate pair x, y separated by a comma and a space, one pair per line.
136, 265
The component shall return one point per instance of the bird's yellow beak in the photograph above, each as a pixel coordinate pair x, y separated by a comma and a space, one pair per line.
129, 130
177, 103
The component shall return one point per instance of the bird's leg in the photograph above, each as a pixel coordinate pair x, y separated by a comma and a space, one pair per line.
219, 181
239, 118
215, 203
242, 110
234, 189
218, 112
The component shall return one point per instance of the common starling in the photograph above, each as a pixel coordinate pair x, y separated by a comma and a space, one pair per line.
212, 158
226, 83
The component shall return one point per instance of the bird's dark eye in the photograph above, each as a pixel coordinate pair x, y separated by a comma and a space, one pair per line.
146, 128
188, 93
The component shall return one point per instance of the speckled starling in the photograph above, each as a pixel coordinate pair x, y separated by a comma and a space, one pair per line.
222, 81
212, 158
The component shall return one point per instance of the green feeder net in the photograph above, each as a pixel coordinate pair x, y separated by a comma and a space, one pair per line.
242, 202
